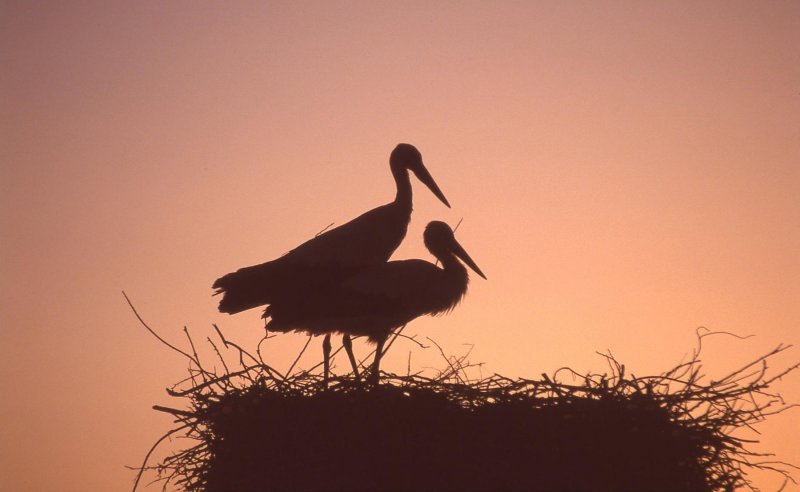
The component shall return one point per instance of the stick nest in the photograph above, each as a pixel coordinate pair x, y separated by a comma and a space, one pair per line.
254, 428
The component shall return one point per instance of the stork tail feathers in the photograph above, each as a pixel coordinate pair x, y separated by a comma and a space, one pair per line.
246, 288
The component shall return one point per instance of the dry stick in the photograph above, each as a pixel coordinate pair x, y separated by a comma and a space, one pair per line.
174, 411
333, 354
144, 463
413, 339
258, 346
191, 344
464, 364
780, 348
708, 333
216, 380
323, 230
369, 354
575, 374
153, 332
219, 356
453, 370
206, 376
200, 369
179, 383
299, 355
395, 335
232, 344
259, 363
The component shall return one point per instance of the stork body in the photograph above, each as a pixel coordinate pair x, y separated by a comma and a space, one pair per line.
365, 241
362, 243
376, 301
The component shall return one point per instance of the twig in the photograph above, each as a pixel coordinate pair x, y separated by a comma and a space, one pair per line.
299, 355
174, 411
147, 456
153, 332
219, 356
394, 337
711, 411
323, 230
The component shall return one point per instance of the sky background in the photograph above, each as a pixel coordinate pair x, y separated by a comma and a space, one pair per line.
626, 172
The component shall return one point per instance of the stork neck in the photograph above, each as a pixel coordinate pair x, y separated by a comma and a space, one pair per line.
403, 182
451, 265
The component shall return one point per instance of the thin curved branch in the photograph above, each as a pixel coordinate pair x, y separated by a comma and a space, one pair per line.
176, 349
153, 448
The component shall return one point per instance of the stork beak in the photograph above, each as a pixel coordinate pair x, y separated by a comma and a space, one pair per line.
459, 251
423, 175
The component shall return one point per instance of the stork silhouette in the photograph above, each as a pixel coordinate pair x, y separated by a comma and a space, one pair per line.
377, 300
364, 242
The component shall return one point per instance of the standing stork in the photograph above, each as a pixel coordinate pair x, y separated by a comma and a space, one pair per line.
376, 301
364, 242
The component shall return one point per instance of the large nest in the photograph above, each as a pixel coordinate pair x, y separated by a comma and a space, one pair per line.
257, 429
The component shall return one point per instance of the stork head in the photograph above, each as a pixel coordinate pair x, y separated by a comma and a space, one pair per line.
440, 240
406, 156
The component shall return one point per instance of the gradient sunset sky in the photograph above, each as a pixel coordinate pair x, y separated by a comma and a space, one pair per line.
626, 172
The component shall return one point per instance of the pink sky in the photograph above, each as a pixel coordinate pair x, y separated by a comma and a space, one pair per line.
626, 172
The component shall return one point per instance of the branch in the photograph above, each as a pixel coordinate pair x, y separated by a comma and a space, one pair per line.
176, 349
153, 448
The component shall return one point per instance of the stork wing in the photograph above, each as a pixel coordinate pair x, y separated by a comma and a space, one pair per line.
369, 239
369, 303
403, 283
365, 241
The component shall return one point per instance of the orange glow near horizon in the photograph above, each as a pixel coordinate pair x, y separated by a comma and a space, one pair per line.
626, 172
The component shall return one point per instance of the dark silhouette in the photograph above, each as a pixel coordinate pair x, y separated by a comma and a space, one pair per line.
384, 297
413, 437
252, 428
364, 242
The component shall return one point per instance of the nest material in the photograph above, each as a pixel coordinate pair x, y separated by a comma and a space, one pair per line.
412, 434
257, 429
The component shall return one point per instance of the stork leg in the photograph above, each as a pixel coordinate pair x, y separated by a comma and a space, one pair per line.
326, 361
348, 347
375, 374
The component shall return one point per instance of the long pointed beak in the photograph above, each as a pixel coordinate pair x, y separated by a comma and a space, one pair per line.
459, 251
423, 175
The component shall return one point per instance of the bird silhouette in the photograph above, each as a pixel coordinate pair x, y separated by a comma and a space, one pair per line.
364, 242
386, 296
